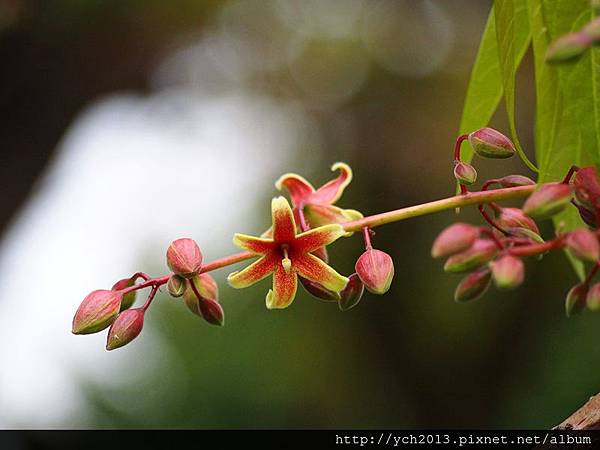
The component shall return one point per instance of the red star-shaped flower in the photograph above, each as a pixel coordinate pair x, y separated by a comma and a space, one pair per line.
287, 255
317, 204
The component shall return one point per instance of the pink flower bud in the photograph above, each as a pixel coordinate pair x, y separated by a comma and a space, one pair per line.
515, 218
455, 238
184, 257
352, 293
212, 312
205, 286
583, 243
515, 180
508, 272
176, 286
97, 311
592, 30
576, 299
588, 216
592, 299
376, 270
490, 143
129, 298
548, 200
319, 291
568, 47
587, 187
482, 251
127, 326
465, 173
473, 286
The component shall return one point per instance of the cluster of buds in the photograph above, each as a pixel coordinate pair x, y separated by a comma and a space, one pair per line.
112, 309
494, 253
571, 46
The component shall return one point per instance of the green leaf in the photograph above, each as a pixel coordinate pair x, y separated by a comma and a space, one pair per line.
559, 142
485, 86
513, 37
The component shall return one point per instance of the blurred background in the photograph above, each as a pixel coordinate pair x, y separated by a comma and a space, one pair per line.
126, 124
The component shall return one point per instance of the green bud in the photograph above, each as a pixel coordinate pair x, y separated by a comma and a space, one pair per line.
592, 299
176, 286
481, 252
576, 299
352, 293
508, 272
453, 239
490, 143
465, 173
569, 47
473, 286
548, 200
583, 244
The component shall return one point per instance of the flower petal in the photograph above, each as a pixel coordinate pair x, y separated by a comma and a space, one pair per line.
253, 244
285, 285
299, 188
255, 272
319, 215
284, 226
311, 240
311, 267
331, 191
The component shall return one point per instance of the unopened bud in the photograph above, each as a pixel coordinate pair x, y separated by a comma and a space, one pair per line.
583, 243
568, 47
592, 30
126, 327
490, 143
588, 216
587, 187
176, 286
376, 270
515, 218
548, 200
465, 173
576, 299
508, 272
97, 311
129, 298
319, 291
520, 232
515, 180
205, 286
455, 238
212, 311
473, 286
184, 257
352, 293
479, 253
592, 300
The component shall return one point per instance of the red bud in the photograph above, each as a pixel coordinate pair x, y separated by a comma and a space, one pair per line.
376, 270
97, 311
548, 200
212, 312
515, 180
319, 291
515, 218
454, 239
592, 299
482, 251
184, 257
568, 47
583, 243
490, 143
576, 299
587, 187
465, 173
127, 326
129, 298
508, 272
473, 286
352, 293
